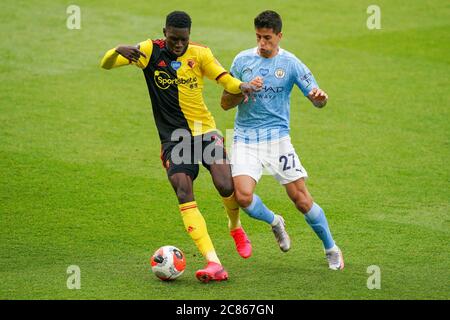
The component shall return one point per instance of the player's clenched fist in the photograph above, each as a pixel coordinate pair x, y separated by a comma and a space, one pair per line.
318, 97
248, 88
257, 82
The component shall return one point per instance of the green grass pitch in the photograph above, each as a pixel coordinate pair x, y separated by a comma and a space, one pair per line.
81, 181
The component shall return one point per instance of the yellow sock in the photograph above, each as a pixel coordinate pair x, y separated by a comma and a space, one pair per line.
196, 227
232, 209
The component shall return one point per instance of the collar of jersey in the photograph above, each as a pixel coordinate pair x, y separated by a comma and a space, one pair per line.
280, 51
172, 55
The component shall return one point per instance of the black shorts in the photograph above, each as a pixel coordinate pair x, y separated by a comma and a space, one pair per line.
186, 154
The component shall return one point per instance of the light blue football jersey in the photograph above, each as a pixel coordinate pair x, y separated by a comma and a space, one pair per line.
267, 118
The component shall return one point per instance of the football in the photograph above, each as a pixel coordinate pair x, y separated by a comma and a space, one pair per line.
168, 263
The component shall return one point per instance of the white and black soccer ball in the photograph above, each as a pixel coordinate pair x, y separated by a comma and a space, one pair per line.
168, 263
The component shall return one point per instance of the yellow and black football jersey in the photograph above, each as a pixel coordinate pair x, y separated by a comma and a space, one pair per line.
175, 85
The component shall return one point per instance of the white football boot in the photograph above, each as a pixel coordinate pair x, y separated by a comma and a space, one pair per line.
279, 230
335, 258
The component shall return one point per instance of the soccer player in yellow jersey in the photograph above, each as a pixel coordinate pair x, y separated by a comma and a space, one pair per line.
174, 69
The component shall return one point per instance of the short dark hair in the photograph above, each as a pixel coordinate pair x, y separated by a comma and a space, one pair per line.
178, 19
269, 19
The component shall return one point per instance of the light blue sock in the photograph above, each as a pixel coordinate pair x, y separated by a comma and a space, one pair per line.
318, 222
259, 211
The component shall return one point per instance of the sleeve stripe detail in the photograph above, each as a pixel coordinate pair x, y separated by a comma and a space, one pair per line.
221, 75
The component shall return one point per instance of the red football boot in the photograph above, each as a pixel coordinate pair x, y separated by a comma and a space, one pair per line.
243, 244
213, 271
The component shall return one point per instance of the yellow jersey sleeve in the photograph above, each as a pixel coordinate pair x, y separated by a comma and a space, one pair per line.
211, 68
113, 59
230, 84
147, 48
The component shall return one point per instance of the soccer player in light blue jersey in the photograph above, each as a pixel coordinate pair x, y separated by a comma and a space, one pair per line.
261, 137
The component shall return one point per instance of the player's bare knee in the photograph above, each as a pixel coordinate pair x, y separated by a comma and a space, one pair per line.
182, 185
225, 188
184, 196
305, 206
303, 202
244, 199
184, 193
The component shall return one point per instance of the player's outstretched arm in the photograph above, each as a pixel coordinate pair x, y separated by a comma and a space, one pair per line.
230, 100
318, 97
121, 56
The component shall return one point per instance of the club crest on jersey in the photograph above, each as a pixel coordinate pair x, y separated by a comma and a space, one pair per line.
280, 73
264, 72
175, 65
191, 63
